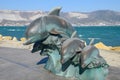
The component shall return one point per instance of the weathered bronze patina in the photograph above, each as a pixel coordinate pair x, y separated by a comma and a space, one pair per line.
68, 55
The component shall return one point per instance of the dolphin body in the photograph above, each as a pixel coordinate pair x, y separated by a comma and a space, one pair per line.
90, 57
51, 24
76, 51
70, 48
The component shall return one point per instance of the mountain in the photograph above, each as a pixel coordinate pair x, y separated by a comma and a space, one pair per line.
100, 17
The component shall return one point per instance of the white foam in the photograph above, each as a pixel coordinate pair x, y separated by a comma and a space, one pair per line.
18, 30
80, 35
93, 38
11, 29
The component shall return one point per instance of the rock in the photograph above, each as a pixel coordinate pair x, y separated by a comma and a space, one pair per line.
6, 38
14, 39
116, 48
23, 39
100, 45
0, 37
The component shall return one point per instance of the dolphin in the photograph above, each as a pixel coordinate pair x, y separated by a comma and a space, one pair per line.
88, 54
70, 48
51, 24
43, 48
49, 43
74, 48
38, 46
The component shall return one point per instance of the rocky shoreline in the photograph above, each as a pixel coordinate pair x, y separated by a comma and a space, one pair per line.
111, 54
13, 42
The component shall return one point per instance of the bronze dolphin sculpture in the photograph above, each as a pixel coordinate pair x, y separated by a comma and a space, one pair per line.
90, 54
70, 48
47, 44
42, 27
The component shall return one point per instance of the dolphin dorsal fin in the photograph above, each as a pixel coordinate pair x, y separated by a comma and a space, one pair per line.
92, 41
55, 11
73, 34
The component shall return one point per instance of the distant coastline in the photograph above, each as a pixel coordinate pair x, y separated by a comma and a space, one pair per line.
95, 18
73, 26
98, 26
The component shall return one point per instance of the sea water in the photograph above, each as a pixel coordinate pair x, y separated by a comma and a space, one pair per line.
108, 35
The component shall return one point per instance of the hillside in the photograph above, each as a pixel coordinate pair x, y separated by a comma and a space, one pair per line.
100, 17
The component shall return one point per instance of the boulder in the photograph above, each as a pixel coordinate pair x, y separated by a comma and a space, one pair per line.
23, 39
6, 38
14, 39
116, 48
0, 37
100, 45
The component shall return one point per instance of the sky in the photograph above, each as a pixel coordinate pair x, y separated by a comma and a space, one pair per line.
67, 5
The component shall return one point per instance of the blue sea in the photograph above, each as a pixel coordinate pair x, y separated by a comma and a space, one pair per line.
108, 35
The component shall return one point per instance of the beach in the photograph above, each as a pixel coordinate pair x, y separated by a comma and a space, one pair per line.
18, 63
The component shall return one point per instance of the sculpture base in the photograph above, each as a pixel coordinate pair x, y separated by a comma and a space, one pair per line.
74, 71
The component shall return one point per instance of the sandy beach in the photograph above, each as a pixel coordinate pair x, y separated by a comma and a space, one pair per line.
18, 63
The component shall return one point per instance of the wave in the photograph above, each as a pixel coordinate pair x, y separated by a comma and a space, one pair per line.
11, 30
19, 30
80, 35
15, 30
93, 38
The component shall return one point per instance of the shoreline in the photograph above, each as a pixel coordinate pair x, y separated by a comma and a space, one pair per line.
111, 54
101, 36
13, 42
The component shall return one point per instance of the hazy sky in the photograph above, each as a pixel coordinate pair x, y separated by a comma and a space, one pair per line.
68, 5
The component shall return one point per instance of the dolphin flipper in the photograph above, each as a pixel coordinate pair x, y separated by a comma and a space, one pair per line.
55, 11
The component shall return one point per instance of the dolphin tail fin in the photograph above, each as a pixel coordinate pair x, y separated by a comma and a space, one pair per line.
55, 11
